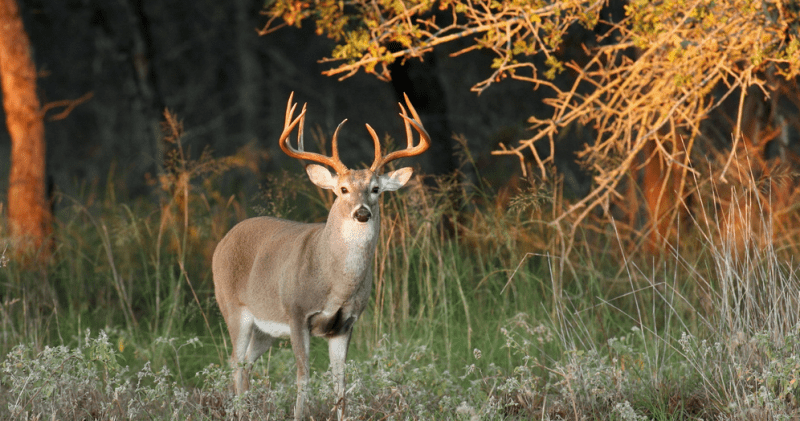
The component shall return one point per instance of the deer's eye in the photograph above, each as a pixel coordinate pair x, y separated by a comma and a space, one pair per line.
344, 190
375, 190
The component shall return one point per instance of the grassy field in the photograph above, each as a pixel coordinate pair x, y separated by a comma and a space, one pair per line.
480, 310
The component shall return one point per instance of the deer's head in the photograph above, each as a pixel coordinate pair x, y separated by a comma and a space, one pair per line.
357, 191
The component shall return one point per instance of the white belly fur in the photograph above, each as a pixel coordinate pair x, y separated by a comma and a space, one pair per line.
274, 329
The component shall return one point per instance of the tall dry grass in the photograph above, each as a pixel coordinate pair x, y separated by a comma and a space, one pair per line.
480, 309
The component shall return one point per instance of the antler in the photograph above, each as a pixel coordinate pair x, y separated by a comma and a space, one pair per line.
299, 153
411, 150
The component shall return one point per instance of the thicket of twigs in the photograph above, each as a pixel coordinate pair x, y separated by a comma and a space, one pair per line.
667, 93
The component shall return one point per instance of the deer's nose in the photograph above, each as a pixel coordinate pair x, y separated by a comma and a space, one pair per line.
362, 214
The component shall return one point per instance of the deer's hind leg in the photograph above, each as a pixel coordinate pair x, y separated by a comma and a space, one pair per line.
250, 344
241, 336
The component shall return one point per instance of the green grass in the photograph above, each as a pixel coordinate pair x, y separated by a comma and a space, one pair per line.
477, 313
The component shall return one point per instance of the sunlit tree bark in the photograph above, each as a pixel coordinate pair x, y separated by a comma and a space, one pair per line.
28, 211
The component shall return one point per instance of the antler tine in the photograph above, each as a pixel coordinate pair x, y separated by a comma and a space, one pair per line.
411, 150
377, 144
290, 105
289, 124
335, 142
301, 145
409, 137
413, 114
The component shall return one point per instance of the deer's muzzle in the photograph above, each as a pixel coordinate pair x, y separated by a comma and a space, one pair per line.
362, 214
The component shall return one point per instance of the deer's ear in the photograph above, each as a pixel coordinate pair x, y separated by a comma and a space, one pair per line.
395, 179
320, 176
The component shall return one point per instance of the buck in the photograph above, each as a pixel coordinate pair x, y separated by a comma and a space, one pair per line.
276, 278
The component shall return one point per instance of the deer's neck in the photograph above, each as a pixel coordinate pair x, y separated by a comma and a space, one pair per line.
352, 244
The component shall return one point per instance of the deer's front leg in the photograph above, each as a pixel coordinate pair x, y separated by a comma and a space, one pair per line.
337, 352
300, 337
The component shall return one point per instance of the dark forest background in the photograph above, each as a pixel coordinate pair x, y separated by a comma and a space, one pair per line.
205, 62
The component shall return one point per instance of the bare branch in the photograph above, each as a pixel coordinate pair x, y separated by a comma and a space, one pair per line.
68, 104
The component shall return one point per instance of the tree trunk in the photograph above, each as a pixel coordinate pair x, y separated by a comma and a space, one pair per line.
249, 71
663, 189
28, 210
